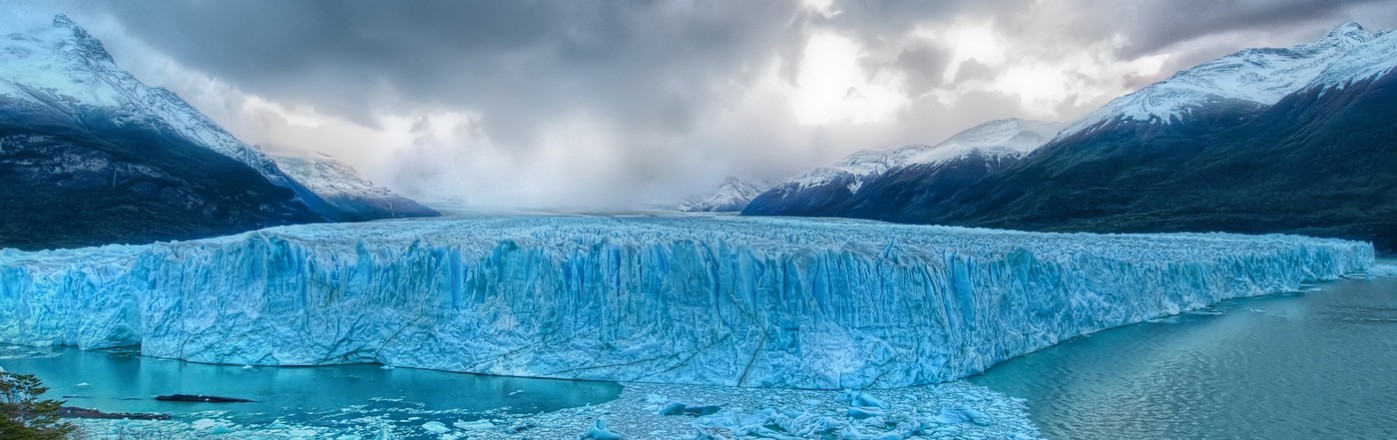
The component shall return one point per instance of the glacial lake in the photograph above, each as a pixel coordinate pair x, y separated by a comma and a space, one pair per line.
120, 380
1311, 365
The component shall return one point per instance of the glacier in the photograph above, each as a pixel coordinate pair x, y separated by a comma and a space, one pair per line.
737, 301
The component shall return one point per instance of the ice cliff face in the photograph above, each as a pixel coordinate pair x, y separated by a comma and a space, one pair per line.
732, 301
1259, 77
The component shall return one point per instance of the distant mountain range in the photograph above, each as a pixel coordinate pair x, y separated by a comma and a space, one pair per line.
1298, 140
90, 155
732, 196
354, 197
841, 189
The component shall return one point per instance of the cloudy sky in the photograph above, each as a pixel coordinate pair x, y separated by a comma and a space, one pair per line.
602, 105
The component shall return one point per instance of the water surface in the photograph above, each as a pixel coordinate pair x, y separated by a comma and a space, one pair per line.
123, 381
1317, 364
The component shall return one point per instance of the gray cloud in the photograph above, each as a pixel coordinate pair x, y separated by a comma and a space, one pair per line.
676, 93
1161, 24
924, 64
648, 63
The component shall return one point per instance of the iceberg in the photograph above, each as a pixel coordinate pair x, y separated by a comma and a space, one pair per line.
736, 301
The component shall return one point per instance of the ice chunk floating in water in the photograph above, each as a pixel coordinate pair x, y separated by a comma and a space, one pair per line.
728, 301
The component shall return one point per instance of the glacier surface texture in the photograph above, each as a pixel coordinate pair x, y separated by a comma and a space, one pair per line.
763, 302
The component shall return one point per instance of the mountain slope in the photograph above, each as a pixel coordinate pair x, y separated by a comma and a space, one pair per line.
90, 155
733, 195
1318, 162
343, 188
1261, 76
1303, 143
963, 158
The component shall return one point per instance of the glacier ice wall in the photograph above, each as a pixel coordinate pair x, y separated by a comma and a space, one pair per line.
726, 300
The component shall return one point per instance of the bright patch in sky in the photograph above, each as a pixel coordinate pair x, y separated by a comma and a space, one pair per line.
823, 7
970, 41
832, 86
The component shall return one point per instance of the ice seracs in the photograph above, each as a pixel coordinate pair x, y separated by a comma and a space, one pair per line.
757, 302
1259, 77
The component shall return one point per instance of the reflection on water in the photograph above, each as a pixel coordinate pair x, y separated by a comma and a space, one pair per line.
123, 381
1320, 364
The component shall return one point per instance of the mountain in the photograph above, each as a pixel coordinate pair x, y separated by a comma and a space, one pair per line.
733, 195
343, 188
1296, 140
90, 155
836, 189
1251, 78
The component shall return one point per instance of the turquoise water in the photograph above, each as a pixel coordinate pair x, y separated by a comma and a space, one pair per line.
123, 381
1314, 365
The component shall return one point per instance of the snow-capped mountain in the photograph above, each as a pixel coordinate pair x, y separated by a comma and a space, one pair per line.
1294, 140
733, 195
91, 155
998, 138
341, 186
65, 67
988, 146
1256, 76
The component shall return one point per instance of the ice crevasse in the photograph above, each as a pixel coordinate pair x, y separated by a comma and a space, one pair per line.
765, 302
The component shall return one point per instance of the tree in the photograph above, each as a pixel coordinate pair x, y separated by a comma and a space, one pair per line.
23, 416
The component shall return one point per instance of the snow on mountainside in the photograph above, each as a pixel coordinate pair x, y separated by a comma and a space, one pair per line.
1003, 137
64, 66
74, 120
1295, 140
329, 178
1261, 76
733, 195
341, 186
760, 302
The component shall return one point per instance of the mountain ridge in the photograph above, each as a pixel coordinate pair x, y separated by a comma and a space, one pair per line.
91, 155
830, 190
732, 195
1259, 75
1317, 160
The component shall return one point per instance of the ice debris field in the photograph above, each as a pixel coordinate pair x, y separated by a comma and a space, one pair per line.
645, 411
752, 302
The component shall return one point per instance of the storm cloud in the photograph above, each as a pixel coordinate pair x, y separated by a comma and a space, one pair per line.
612, 105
